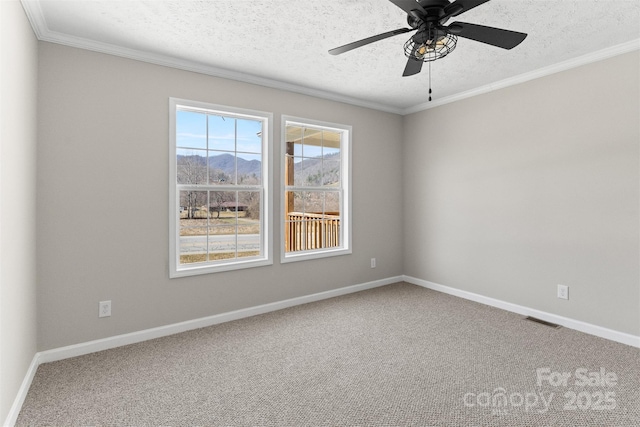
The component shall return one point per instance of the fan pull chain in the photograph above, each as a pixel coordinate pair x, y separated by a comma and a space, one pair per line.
429, 81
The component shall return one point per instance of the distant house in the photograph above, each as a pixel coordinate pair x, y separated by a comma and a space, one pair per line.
228, 206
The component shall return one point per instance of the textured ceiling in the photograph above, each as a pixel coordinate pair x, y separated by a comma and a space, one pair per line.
284, 43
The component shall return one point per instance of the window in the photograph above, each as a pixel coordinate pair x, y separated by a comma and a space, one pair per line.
219, 188
315, 189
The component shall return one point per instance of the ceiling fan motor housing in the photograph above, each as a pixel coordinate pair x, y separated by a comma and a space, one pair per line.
435, 10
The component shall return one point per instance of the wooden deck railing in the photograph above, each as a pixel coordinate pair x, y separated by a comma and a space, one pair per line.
306, 231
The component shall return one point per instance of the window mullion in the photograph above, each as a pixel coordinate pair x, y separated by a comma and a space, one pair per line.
208, 225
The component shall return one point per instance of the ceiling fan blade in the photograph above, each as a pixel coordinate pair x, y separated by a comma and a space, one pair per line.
409, 6
461, 6
413, 66
349, 46
505, 39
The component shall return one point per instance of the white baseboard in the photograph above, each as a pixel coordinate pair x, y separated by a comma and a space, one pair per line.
587, 328
12, 416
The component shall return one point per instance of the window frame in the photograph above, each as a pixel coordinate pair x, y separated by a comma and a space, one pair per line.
176, 269
346, 132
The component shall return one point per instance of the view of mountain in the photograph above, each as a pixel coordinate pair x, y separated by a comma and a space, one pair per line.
318, 171
225, 163
307, 172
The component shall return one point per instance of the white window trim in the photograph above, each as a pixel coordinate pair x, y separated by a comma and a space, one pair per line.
345, 179
175, 269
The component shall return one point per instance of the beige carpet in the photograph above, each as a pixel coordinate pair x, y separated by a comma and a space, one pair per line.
399, 355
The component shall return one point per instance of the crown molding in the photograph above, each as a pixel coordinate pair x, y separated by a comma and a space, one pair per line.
536, 74
43, 33
34, 13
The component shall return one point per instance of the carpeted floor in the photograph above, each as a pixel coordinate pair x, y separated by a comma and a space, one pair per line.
399, 355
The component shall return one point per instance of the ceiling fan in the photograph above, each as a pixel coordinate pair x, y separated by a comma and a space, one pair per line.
433, 40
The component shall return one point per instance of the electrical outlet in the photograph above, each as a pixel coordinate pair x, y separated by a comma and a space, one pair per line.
373, 263
104, 309
563, 292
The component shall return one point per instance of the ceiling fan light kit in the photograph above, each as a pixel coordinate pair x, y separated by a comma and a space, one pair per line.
429, 50
433, 39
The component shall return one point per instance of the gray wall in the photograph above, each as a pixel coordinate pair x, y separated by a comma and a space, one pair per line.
513, 192
18, 59
103, 198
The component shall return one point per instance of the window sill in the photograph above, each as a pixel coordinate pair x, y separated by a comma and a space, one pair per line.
309, 255
209, 269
